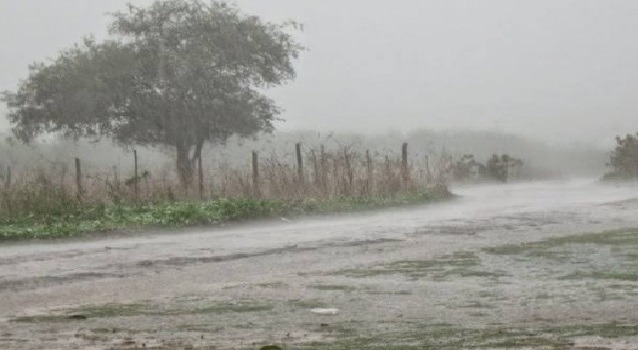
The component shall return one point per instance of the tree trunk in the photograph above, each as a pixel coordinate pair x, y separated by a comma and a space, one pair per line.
186, 162
185, 167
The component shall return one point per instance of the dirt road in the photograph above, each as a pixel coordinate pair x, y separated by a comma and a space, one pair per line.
532, 265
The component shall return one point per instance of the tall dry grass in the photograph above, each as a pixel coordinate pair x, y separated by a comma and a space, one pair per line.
339, 172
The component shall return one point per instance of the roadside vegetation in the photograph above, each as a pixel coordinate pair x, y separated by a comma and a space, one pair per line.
62, 203
99, 217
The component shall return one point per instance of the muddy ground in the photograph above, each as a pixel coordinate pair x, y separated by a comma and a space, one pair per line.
547, 265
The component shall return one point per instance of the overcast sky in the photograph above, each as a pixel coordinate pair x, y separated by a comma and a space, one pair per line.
550, 69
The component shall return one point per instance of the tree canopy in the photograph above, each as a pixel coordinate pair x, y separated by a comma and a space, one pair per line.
624, 159
177, 73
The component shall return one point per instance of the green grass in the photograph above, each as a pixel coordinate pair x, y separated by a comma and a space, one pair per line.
307, 304
582, 254
99, 218
554, 247
333, 287
492, 337
459, 264
146, 309
603, 275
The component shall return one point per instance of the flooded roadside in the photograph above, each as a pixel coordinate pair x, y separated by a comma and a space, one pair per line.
534, 265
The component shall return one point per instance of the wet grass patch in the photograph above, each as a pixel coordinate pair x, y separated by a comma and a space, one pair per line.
239, 307
435, 337
145, 309
627, 287
459, 264
611, 330
78, 314
630, 276
491, 337
273, 285
478, 305
337, 329
117, 310
308, 304
333, 287
549, 248
42, 319
199, 328
609, 256
389, 292
107, 330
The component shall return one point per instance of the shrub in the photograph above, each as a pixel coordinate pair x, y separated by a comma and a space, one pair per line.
624, 159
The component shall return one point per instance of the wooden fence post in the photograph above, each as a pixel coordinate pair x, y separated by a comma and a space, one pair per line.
335, 175
427, 170
136, 176
200, 175
349, 172
315, 166
324, 170
404, 163
300, 169
7, 179
116, 177
369, 173
256, 190
78, 177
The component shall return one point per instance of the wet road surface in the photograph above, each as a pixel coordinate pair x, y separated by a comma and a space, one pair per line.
456, 265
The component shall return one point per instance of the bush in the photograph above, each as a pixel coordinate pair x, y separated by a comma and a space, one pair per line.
624, 159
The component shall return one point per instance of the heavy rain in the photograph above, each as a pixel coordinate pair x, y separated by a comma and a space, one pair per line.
202, 174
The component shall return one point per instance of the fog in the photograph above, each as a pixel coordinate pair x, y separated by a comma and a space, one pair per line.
557, 71
445, 174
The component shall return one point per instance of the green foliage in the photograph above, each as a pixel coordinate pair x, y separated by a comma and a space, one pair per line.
624, 159
73, 218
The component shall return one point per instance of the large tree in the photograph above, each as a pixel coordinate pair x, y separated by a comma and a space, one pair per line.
177, 73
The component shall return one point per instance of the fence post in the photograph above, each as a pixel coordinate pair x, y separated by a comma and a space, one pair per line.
300, 165
427, 170
404, 163
136, 175
7, 179
78, 177
200, 175
335, 175
256, 190
349, 173
315, 166
324, 171
116, 177
369, 172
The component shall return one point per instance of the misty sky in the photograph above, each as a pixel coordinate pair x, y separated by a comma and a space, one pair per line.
550, 69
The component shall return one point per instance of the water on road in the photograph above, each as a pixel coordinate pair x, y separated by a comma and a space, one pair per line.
536, 265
